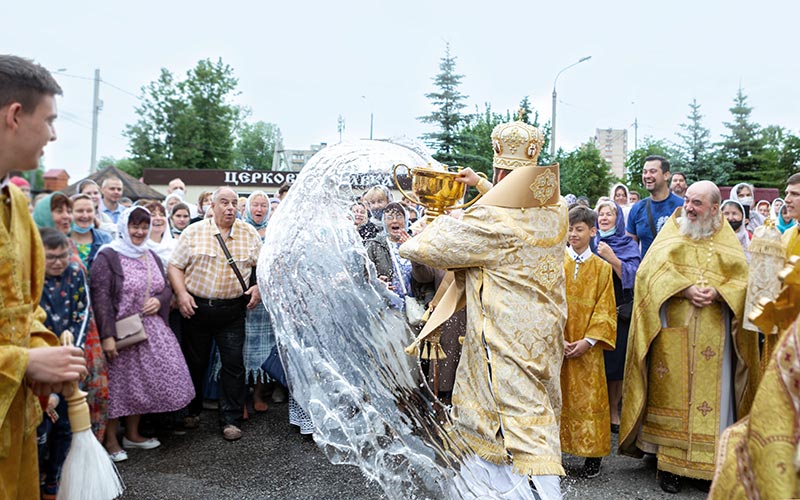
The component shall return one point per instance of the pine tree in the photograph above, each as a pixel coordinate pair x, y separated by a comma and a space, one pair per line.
448, 101
743, 146
695, 154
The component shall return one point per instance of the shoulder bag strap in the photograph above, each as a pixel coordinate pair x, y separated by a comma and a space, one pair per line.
650, 219
147, 290
231, 262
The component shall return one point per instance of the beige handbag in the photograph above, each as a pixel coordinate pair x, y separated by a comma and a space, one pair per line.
130, 330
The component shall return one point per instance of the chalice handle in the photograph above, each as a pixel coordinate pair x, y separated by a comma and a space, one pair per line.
397, 183
473, 200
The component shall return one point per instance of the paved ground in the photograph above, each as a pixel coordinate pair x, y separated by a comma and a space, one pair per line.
273, 461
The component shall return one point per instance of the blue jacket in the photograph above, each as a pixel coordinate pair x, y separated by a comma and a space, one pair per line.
99, 238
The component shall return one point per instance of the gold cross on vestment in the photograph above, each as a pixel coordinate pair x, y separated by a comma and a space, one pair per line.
661, 370
704, 408
708, 353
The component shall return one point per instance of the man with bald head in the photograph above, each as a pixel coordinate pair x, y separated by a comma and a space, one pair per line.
689, 372
212, 298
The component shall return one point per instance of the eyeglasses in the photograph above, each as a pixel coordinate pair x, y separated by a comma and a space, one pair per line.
394, 217
52, 258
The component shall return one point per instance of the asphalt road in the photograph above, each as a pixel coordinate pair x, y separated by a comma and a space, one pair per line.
273, 461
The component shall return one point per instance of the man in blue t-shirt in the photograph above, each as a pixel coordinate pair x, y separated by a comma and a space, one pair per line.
652, 212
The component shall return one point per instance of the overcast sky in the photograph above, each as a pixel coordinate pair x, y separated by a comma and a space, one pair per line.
302, 64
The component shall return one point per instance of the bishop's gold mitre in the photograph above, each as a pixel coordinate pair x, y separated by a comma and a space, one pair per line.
516, 148
516, 144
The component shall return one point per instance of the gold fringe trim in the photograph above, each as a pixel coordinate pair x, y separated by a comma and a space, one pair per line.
764, 246
540, 466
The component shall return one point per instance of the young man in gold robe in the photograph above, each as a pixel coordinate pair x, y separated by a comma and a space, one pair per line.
30, 361
508, 253
689, 373
592, 320
791, 238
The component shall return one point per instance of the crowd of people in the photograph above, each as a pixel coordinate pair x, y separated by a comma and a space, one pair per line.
565, 324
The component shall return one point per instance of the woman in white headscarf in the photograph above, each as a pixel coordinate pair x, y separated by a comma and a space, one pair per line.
744, 194
161, 240
619, 194
150, 376
733, 211
259, 337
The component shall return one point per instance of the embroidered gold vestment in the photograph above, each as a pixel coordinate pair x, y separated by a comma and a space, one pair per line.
21, 327
791, 241
758, 456
672, 391
585, 417
507, 396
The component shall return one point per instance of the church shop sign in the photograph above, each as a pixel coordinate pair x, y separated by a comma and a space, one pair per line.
208, 177
258, 178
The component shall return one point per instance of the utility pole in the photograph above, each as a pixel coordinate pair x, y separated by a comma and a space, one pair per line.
555, 98
340, 127
636, 133
97, 105
370, 125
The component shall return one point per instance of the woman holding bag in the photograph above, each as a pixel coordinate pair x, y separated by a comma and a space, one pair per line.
149, 376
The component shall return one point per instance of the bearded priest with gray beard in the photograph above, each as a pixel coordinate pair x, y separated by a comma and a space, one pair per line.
690, 370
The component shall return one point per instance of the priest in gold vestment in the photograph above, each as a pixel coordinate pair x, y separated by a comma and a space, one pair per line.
508, 253
689, 373
759, 456
27, 363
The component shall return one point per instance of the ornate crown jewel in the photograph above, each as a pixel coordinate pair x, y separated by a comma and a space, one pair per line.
516, 144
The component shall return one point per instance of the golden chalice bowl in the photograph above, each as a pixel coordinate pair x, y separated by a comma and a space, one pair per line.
437, 190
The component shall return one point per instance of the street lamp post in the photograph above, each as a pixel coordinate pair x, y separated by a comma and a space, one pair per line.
555, 95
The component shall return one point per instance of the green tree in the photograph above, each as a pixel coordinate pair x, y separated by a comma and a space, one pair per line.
635, 162
474, 148
585, 172
189, 123
743, 146
789, 162
256, 145
448, 103
694, 154
527, 113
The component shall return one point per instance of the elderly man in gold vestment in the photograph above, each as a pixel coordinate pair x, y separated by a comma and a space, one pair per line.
27, 363
508, 253
688, 372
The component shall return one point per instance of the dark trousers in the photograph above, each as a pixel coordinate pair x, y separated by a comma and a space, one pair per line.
222, 321
54, 439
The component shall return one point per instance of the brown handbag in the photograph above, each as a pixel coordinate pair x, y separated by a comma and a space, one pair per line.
130, 329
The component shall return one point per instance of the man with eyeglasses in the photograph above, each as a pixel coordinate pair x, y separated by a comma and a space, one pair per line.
30, 360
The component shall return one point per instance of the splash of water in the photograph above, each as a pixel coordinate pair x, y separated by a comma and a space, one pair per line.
340, 340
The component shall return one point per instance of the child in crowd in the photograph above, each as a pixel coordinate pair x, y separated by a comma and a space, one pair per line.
64, 299
376, 198
591, 319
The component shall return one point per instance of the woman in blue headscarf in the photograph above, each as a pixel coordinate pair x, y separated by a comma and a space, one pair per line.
619, 250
